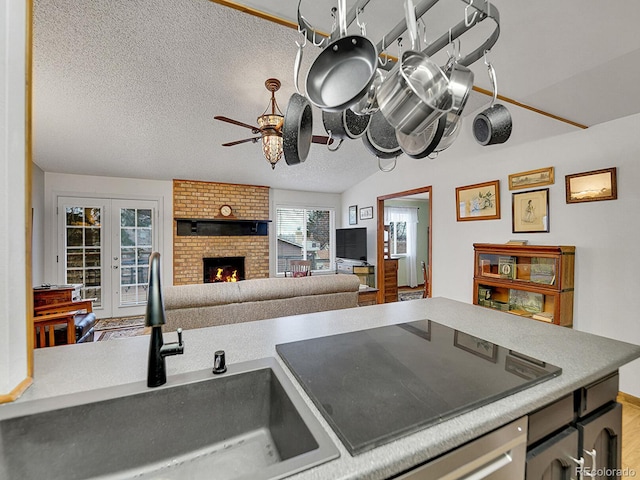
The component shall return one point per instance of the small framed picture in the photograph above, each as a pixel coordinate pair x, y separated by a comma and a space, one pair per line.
478, 202
366, 213
592, 186
532, 178
530, 211
353, 215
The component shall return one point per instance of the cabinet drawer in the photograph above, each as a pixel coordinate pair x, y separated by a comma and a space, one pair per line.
499, 455
551, 418
600, 392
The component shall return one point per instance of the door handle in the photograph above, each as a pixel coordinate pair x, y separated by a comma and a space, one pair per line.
115, 267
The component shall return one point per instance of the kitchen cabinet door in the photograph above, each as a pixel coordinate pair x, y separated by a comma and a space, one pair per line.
600, 442
554, 459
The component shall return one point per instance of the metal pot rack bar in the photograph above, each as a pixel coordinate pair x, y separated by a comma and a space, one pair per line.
483, 10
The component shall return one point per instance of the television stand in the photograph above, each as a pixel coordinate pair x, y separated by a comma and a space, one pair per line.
366, 273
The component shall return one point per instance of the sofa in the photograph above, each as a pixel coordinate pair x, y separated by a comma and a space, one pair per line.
211, 304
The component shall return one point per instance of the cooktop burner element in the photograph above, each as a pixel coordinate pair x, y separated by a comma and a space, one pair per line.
374, 386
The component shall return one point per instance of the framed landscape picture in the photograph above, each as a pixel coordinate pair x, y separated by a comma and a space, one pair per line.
366, 213
530, 211
592, 186
478, 202
532, 178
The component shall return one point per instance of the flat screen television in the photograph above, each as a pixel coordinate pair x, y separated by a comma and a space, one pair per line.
351, 243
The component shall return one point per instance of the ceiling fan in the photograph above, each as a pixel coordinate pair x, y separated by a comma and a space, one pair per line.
269, 128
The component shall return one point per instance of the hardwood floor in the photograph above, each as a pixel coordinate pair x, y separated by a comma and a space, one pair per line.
630, 435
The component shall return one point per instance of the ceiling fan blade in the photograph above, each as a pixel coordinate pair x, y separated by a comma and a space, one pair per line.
321, 139
236, 122
238, 142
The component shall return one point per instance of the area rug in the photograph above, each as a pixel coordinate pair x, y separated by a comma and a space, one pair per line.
117, 323
120, 333
402, 296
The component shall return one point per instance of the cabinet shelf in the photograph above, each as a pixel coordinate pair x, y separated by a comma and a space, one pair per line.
534, 281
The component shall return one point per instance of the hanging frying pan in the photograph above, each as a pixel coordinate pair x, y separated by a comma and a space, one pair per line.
424, 143
345, 125
380, 138
297, 130
341, 75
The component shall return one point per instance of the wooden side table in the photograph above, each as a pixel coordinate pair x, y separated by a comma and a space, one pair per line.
367, 296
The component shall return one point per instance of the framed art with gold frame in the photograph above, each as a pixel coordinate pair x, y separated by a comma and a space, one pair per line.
530, 211
592, 186
480, 201
532, 178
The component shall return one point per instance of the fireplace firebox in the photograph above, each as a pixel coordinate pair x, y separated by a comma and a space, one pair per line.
223, 269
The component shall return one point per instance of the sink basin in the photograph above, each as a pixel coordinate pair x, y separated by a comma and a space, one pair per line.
247, 423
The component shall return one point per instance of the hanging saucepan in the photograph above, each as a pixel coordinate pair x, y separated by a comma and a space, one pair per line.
461, 83
297, 131
344, 125
343, 71
492, 125
422, 144
380, 138
416, 91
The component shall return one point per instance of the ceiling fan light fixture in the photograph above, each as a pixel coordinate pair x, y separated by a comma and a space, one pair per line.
271, 137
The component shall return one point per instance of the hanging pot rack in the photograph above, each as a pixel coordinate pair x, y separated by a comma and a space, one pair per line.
482, 10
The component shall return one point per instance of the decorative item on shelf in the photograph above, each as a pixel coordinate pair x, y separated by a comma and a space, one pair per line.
532, 178
528, 301
543, 270
353, 215
226, 211
366, 213
480, 201
592, 186
530, 211
507, 267
544, 316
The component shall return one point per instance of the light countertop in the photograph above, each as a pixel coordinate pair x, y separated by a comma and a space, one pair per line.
583, 358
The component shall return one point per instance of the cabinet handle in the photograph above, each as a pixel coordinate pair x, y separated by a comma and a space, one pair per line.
592, 454
580, 467
504, 459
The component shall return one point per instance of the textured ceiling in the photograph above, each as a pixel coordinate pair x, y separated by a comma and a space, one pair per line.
129, 88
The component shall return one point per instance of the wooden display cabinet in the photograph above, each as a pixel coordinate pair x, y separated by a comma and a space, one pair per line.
534, 281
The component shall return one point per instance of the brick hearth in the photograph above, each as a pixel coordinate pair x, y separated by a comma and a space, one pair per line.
202, 200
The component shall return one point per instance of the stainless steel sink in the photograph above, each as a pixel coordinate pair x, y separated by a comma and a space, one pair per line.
247, 423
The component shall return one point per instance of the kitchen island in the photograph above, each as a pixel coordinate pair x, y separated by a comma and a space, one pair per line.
584, 358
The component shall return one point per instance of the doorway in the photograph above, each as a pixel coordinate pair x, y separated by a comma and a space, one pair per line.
388, 234
104, 244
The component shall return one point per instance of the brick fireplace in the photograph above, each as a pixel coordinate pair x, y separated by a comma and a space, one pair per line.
202, 200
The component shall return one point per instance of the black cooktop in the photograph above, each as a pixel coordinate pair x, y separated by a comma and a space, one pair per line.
374, 386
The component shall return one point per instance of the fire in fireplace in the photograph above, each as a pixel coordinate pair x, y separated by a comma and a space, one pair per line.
223, 269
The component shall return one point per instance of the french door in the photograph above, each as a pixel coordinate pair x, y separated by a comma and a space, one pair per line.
105, 244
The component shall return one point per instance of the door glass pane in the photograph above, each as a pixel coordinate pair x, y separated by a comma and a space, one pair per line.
136, 239
83, 250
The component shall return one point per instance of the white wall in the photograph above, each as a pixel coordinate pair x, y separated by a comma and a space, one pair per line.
13, 198
604, 233
38, 233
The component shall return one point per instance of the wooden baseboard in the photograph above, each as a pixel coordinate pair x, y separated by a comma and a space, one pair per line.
16, 392
625, 397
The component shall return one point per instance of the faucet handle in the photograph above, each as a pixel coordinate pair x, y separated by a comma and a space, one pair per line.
219, 363
179, 332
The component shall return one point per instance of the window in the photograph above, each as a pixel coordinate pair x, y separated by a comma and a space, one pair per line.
398, 238
304, 234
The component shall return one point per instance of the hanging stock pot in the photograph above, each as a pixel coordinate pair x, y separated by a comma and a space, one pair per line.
416, 92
